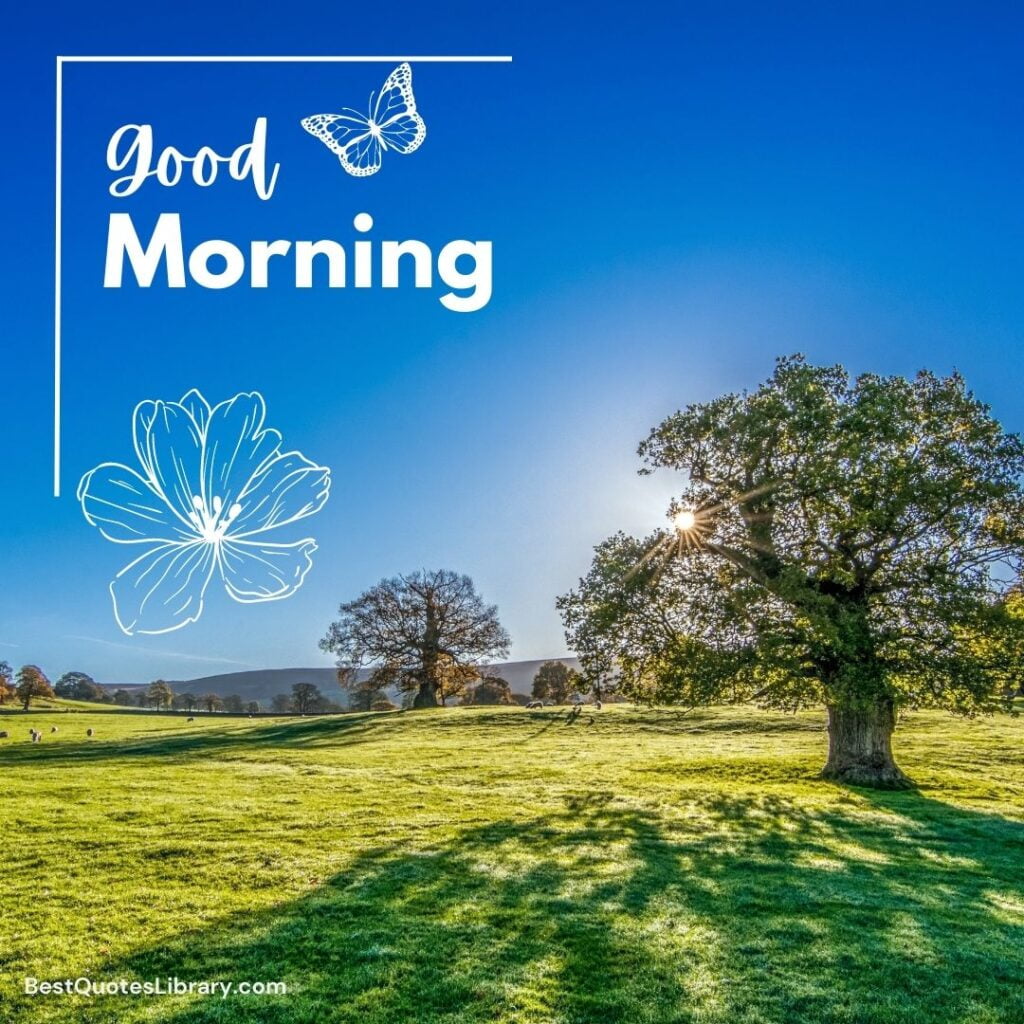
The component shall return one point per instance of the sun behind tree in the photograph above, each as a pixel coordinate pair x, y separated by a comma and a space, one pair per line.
837, 542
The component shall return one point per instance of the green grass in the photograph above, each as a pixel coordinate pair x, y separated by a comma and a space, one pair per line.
476, 865
62, 704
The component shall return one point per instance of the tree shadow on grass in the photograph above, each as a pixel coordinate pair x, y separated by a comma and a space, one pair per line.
726, 909
329, 730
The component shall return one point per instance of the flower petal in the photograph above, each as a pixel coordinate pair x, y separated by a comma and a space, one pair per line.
264, 572
170, 448
197, 407
237, 446
126, 508
286, 489
163, 589
142, 421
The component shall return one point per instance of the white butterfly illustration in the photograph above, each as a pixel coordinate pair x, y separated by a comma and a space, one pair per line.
391, 122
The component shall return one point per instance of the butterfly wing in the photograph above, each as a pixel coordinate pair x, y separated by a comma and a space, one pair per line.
336, 131
359, 142
361, 157
348, 136
395, 114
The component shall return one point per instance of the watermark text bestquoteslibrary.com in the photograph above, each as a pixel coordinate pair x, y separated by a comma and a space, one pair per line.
171, 986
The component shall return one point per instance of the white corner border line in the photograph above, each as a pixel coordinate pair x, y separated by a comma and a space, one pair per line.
121, 59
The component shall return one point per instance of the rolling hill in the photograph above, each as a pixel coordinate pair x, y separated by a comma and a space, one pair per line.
263, 684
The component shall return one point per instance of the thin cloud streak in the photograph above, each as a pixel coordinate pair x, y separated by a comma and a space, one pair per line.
180, 655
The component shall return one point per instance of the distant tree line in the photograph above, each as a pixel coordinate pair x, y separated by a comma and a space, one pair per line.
305, 699
160, 695
30, 683
554, 683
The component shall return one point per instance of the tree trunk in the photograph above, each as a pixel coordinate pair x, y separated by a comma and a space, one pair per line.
860, 747
427, 696
429, 681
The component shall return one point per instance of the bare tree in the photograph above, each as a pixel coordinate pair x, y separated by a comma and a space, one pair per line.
424, 633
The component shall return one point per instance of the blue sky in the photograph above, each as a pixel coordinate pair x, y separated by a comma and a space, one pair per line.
675, 193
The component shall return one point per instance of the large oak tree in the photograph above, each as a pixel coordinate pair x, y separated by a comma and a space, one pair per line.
840, 542
425, 633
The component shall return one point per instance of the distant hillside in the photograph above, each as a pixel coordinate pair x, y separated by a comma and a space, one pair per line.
263, 684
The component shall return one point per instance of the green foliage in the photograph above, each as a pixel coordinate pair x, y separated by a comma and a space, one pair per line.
364, 689
1001, 648
159, 694
79, 686
307, 698
281, 703
555, 682
211, 702
491, 690
850, 546
620, 867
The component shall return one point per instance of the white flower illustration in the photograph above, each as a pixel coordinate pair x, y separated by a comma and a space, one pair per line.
213, 482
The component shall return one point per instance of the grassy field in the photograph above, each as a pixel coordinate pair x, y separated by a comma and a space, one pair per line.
475, 865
